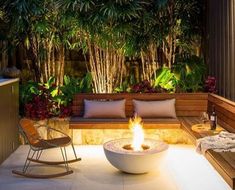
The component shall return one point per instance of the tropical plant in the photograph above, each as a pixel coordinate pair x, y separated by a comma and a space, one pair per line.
107, 42
37, 99
153, 31
45, 30
45, 100
73, 86
165, 79
20, 17
38, 103
166, 29
190, 73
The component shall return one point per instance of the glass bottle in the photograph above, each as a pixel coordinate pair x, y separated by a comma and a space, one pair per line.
213, 118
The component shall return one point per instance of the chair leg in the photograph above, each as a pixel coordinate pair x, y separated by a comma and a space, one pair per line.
27, 161
66, 158
39, 153
64, 155
74, 151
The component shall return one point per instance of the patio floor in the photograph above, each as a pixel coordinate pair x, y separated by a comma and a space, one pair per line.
183, 169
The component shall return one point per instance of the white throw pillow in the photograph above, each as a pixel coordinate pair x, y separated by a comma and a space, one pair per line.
155, 109
104, 109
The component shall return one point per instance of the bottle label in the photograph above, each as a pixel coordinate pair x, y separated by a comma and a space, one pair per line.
212, 118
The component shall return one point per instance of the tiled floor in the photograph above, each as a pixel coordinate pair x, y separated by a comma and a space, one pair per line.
183, 169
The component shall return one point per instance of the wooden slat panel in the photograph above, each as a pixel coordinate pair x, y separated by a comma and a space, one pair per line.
226, 126
226, 119
225, 110
144, 96
222, 102
9, 114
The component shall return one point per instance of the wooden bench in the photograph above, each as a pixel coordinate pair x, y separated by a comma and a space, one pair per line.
187, 104
188, 109
223, 162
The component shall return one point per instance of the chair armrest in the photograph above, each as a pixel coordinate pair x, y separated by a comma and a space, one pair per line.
53, 129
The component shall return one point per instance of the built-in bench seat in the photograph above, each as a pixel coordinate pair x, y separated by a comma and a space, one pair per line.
188, 109
223, 162
149, 123
187, 104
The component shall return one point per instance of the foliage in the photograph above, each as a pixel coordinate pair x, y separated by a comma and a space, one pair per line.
37, 99
186, 76
39, 107
165, 79
190, 73
44, 29
143, 87
45, 100
126, 84
153, 31
210, 84
73, 86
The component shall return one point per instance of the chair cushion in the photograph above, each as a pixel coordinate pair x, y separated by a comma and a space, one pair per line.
155, 109
104, 109
30, 131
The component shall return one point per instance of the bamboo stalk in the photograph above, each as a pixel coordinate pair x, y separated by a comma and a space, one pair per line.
105, 66
174, 48
53, 61
49, 61
61, 75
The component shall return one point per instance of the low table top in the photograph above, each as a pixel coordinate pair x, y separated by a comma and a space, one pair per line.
205, 129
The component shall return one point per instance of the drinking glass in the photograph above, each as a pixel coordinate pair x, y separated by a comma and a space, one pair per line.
204, 117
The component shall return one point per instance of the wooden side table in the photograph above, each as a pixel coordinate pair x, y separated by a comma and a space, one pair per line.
205, 129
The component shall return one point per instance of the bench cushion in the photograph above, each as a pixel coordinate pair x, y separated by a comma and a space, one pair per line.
104, 109
155, 109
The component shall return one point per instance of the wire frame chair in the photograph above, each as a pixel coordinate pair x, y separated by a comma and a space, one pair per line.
37, 145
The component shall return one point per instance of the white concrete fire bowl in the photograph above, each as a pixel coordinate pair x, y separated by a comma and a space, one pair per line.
135, 162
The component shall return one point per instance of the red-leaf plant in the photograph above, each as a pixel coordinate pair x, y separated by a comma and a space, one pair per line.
43, 106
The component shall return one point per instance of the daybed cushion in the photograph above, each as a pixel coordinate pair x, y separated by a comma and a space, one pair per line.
104, 109
155, 109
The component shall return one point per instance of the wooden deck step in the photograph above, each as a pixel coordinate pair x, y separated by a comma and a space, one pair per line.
223, 162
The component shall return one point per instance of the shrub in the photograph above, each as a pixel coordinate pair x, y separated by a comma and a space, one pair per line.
210, 84
190, 72
144, 87
43, 101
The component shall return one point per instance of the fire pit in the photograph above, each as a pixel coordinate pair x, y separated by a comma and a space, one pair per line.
137, 155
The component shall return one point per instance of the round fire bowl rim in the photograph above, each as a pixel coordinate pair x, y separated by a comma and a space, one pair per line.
115, 145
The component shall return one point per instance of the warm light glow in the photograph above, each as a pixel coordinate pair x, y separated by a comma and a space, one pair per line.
135, 125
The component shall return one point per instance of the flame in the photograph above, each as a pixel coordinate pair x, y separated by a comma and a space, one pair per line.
135, 125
